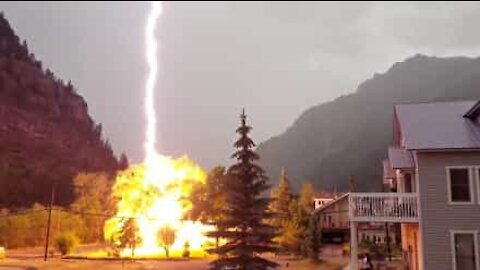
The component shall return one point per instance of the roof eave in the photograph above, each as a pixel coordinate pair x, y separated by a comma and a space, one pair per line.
473, 112
444, 149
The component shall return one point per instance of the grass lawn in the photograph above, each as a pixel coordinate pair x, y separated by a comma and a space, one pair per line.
31, 259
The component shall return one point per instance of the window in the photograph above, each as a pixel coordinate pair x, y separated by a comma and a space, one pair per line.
477, 171
408, 183
459, 185
465, 250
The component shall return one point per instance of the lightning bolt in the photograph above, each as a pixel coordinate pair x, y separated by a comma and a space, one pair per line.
151, 55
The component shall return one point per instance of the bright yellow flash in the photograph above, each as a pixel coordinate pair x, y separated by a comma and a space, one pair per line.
154, 192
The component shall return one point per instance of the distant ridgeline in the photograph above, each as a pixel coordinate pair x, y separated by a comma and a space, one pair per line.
349, 136
46, 134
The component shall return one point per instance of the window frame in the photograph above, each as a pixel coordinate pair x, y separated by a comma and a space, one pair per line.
471, 184
453, 249
476, 177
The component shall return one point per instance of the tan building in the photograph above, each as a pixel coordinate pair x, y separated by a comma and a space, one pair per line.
433, 171
322, 198
333, 220
335, 224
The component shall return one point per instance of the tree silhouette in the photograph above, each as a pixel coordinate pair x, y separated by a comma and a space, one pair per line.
123, 162
209, 199
282, 197
129, 235
246, 234
313, 237
166, 238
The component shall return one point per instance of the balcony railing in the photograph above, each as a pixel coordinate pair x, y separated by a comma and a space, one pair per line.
383, 207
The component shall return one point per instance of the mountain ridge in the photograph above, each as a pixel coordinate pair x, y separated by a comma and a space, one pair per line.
46, 133
355, 128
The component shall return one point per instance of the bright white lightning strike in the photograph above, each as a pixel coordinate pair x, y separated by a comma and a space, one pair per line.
151, 54
153, 193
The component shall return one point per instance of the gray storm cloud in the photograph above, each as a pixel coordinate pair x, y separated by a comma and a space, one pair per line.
276, 59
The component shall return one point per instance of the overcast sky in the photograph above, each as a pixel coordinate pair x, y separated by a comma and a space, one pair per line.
275, 59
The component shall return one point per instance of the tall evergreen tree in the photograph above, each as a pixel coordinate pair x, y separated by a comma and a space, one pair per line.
281, 198
244, 228
281, 220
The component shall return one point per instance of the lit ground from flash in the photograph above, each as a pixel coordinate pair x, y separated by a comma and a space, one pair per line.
195, 264
31, 259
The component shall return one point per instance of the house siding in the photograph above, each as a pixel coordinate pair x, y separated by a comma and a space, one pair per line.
338, 211
438, 217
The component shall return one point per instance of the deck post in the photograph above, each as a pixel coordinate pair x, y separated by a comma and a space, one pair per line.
353, 246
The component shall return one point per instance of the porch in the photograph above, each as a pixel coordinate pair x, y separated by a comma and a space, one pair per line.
379, 208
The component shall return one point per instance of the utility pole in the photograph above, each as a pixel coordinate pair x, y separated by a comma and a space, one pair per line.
45, 257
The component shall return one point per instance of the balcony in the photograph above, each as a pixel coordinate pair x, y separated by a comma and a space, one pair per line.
383, 207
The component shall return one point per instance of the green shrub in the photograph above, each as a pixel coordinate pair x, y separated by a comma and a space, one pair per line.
65, 242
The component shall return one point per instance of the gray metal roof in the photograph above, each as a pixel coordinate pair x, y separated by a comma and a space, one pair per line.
400, 158
438, 125
474, 112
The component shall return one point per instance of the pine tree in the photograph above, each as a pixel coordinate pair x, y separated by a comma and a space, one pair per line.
246, 234
123, 162
280, 207
281, 197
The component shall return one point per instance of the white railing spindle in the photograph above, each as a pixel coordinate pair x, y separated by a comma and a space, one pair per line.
383, 207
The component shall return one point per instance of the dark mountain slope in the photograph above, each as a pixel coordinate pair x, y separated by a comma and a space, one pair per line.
46, 133
349, 136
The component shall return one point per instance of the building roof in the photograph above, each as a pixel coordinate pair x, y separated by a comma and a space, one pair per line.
400, 158
439, 125
474, 112
332, 202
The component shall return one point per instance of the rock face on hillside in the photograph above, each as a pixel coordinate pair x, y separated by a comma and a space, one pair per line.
46, 133
349, 136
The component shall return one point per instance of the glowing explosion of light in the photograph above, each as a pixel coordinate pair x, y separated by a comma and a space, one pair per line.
152, 192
